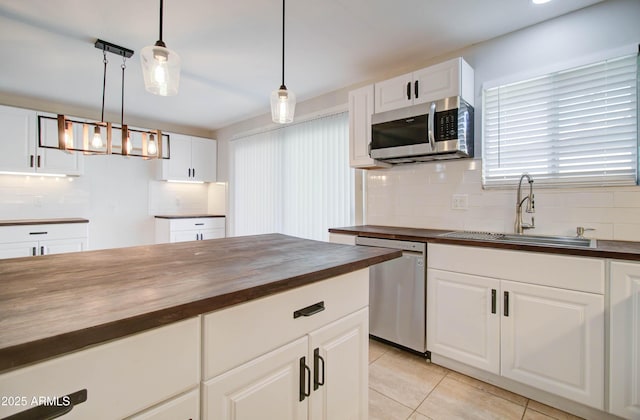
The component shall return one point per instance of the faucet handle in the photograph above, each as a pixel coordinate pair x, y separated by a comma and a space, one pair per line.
580, 230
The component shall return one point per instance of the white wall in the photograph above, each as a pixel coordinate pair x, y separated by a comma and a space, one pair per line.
420, 195
118, 195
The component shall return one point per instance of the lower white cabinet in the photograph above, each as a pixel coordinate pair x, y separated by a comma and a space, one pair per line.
183, 407
624, 339
314, 365
44, 239
121, 377
550, 338
189, 229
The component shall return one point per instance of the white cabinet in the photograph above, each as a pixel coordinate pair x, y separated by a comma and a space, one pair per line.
312, 366
463, 318
42, 239
183, 407
121, 377
171, 229
19, 149
451, 78
534, 318
624, 339
191, 159
360, 111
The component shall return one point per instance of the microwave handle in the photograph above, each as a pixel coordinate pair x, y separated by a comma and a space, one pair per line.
430, 130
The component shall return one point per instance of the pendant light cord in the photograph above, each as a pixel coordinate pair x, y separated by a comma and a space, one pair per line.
161, 15
282, 43
123, 66
104, 82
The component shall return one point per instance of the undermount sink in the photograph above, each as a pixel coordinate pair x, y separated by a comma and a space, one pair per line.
558, 241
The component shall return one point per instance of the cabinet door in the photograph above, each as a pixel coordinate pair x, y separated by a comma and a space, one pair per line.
17, 133
360, 111
18, 249
267, 387
61, 246
212, 233
339, 362
624, 392
393, 94
553, 339
463, 318
438, 81
184, 407
53, 161
178, 167
203, 159
184, 235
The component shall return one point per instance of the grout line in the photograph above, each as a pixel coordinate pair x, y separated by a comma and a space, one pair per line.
388, 397
526, 406
489, 392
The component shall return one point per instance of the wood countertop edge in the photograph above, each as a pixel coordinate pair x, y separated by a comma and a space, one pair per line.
621, 254
22, 355
27, 222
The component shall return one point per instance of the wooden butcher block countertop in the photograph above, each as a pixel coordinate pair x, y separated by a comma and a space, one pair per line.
55, 304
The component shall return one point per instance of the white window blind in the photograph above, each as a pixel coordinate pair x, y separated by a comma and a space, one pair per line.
294, 180
573, 127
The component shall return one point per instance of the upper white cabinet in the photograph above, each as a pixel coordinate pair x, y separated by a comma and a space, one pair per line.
450, 78
534, 318
360, 111
624, 339
20, 151
191, 159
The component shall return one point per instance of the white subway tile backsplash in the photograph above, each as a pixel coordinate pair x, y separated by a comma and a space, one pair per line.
425, 191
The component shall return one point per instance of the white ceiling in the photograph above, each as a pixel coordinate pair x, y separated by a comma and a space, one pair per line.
230, 49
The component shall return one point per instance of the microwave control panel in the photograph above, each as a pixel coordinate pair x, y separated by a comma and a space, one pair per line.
446, 125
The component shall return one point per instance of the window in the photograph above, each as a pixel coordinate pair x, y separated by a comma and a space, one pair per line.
575, 127
294, 180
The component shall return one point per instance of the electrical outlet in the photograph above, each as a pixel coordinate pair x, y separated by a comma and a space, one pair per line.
460, 201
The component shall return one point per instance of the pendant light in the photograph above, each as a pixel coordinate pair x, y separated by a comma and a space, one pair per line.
160, 66
96, 141
283, 101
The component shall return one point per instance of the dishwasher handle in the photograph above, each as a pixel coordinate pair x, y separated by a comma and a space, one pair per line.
50, 412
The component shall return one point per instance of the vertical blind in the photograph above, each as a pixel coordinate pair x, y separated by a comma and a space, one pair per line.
294, 180
573, 127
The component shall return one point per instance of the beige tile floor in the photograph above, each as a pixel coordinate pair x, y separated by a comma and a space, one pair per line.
403, 386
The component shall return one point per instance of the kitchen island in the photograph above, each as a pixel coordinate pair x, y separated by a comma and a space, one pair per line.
213, 296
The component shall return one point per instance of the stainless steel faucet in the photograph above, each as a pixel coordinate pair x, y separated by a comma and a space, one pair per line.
531, 207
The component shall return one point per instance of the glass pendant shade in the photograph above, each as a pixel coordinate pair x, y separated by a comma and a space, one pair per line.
283, 105
161, 69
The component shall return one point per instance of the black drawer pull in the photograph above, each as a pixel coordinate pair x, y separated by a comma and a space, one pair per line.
49, 412
38, 233
309, 310
199, 224
506, 303
317, 383
409, 91
305, 379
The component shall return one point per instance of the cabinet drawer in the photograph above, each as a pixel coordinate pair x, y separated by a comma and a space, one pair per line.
25, 233
254, 328
186, 406
197, 223
583, 274
121, 377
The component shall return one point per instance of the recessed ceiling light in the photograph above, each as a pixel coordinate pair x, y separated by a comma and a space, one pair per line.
540, 1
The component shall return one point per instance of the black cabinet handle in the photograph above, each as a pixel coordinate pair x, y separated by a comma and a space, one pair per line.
49, 412
193, 171
33, 251
31, 161
38, 233
42, 250
305, 379
493, 301
189, 171
309, 310
317, 383
415, 89
506, 303
409, 90
199, 224
38, 164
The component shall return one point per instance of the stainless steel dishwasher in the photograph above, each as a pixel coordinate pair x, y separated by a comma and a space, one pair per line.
397, 294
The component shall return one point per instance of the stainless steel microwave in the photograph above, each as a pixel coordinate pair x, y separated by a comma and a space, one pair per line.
432, 131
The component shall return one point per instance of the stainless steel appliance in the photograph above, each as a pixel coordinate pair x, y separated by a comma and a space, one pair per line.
432, 131
397, 294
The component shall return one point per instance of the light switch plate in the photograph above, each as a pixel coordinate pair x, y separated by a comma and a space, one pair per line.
460, 201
